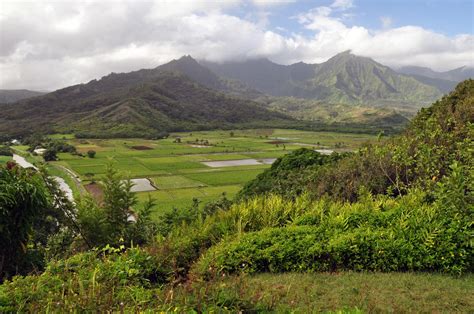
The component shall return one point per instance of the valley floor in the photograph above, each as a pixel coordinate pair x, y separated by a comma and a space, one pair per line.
194, 167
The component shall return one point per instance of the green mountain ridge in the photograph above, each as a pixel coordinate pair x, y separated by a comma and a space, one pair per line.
345, 78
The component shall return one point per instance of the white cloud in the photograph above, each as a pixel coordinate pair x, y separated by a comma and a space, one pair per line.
342, 4
268, 3
47, 45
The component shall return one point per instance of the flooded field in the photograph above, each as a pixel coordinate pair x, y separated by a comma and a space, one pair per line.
142, 185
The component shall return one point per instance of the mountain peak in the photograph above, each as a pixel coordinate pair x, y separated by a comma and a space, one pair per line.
186, 58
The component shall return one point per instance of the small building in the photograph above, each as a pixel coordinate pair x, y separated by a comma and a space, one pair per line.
15, 142
39, 151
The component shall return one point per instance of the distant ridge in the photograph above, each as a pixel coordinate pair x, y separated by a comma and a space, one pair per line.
456, 75
12, 95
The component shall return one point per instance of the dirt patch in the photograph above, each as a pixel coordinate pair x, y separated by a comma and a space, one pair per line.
142, 147
277, 142
95, 191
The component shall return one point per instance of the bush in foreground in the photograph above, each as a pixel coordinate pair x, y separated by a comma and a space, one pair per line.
377, 234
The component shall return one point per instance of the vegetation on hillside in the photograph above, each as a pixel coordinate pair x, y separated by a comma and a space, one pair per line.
341, 114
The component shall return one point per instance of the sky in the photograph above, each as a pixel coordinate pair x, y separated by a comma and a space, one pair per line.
46, 45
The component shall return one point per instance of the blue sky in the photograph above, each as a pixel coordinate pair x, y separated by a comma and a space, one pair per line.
87, 39
449, 17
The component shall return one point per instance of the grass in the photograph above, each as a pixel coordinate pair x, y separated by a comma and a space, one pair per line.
225, 177
367, 292
177, 169
183, 197
4, 159
175, 182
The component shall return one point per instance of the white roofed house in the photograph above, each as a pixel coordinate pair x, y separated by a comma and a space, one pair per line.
39, 151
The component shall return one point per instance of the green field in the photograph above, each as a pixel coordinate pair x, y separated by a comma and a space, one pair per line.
4, 159
176, 168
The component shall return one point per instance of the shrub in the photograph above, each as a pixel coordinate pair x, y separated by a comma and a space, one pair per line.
5, 151
90, 281
288, 175
91, 153
377, 233
50, 155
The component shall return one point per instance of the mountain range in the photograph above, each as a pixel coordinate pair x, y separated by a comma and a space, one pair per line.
344, 78
145, 103
185, 94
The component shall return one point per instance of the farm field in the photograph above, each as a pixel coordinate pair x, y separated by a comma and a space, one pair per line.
176, 166
4, 159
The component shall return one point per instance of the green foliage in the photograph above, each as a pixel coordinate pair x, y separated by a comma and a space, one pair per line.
91, 153
87, 281
23, 201
32, 209
5, 151
50, 154
110, 222
289, 174
376, 234
409, 209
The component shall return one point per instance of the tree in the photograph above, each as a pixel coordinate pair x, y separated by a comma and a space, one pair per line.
31, 209
231, 134
50, 155
91, 153
118, 201
107, 222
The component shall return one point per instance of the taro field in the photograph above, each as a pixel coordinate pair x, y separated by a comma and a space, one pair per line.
195, 165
